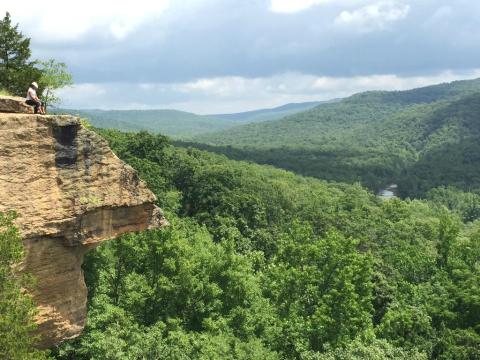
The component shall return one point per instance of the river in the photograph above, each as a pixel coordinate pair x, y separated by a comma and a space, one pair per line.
390, 192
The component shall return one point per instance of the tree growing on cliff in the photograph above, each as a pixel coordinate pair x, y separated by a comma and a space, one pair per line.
54, 76
16, 68
16, 308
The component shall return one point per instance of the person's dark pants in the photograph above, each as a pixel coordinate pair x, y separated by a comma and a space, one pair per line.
35, 104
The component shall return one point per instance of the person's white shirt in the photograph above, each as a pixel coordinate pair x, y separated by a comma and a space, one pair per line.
31, 94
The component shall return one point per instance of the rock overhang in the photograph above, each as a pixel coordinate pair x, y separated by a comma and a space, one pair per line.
71, 193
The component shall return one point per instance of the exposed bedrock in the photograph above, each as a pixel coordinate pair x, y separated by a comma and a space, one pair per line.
14, 104
71, 193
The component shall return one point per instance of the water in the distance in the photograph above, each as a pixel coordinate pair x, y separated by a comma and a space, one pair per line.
390, 192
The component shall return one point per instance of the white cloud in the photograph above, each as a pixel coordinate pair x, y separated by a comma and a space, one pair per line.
61, 20
84, 90
294, 6
373, 16
290, 6
234, 94
229, 86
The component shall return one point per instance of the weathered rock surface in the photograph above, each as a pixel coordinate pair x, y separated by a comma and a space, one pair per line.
71, 193
13, 104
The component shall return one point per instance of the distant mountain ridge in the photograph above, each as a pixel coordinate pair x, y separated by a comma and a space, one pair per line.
181, 124
270, 114
170, 122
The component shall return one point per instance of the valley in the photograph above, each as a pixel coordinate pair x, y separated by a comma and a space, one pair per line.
419, 139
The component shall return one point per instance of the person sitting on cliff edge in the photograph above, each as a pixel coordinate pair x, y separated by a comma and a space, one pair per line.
33, 100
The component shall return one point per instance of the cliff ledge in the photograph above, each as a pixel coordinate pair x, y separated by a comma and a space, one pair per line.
71, 193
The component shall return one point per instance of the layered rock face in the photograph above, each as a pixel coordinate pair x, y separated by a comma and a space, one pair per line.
13, 104
71, 193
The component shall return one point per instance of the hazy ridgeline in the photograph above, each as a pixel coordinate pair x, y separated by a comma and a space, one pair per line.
181, 124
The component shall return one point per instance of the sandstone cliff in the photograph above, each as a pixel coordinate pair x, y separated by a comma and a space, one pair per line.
14, 104
71, 193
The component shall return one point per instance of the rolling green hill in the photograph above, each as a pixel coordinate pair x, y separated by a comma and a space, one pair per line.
332, 122
375, 138
182, 124
170, 122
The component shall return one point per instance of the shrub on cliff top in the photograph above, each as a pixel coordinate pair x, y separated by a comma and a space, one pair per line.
18, 70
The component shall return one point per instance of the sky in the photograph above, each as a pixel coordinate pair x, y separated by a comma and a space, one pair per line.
222, 56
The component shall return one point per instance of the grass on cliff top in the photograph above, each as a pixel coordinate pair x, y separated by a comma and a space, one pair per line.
4, 92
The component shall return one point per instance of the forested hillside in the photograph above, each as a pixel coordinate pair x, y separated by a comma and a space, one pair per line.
375, 138
259, 263
181, 124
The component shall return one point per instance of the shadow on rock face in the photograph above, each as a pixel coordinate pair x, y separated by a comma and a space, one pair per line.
66, 150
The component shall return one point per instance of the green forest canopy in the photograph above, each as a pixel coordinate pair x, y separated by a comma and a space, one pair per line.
260, 263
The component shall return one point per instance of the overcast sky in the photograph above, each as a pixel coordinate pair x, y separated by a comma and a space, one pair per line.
215, 56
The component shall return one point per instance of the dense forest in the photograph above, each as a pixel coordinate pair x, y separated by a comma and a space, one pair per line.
260, 263
419, 139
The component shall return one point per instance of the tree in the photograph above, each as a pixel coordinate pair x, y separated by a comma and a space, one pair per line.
16, 70
54, 76
322, 290
372, 350
16, 308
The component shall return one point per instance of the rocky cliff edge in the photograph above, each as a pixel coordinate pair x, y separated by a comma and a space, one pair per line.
71, 193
